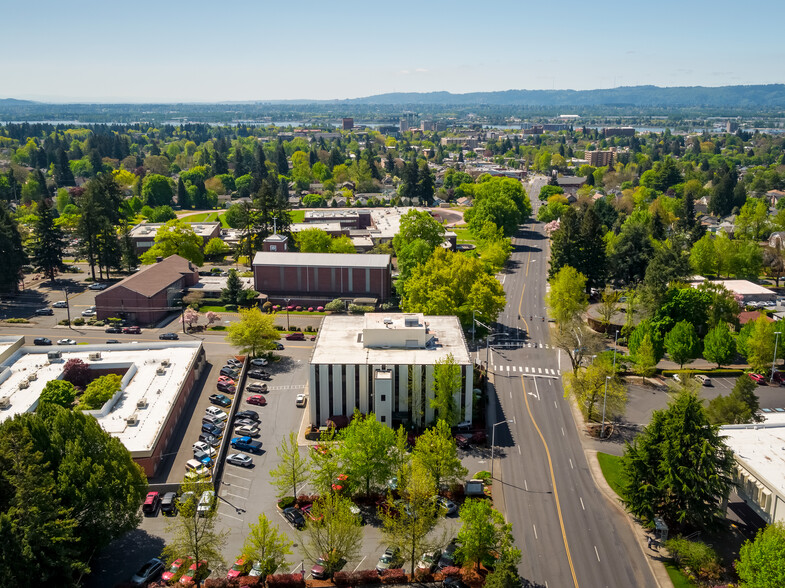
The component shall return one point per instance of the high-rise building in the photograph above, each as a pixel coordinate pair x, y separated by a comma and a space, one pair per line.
348, 124
599, 158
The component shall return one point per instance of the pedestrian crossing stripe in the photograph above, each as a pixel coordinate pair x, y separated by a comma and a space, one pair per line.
522, 369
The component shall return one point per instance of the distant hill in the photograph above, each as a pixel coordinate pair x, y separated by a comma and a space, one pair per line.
772, 95
14, 102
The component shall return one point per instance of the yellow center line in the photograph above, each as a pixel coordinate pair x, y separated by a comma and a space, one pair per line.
553, 481
520, 302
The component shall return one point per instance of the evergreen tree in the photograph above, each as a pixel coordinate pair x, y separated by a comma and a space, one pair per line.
13, 255
280, 161
389, 163
129, 257
240, 169
62, 170
183, 198
425, 183
260, 164
49, 243
233, 293
593, 261
336, 158
220, 166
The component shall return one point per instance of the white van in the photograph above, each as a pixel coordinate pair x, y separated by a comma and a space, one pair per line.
704, 380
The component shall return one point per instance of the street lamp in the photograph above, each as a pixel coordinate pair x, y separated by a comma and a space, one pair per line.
67, 306
604, 400
774, 359
493, 439
287, 312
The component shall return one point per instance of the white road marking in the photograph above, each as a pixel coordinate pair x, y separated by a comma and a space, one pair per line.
539, 370
554, 404
582, 506
535, 531
571, 466
295, 567
508, 368
514, 368
519, 449
597, 552
526, 485
359, 564
562, 431
223, 514
235, 495
527, 369
536, 389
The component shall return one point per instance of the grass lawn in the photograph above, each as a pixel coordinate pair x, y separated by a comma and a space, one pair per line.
297, 216
464, 236
207, 217
213, 308
611, 469
677, 577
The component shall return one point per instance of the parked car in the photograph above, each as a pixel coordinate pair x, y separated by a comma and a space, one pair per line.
203, 457
112, 342
66, 342
98, 286
206, 448
447, 559
704, 380
220, 400
295, 337
225, 380
215, 421
321, 571
240, 568
60, 304
230, 372
247, 431
210, 440
216, 412
44, 312
256, 399
193, 571
448, 506
278, 346
169, 503
42, 341
428, 561
113, 330
256, 388
235, 363
300, 400
239, 459
169, 336
454, 582
758, 379
247, 414
256, 569
194, 469
174, 569
258, 375
133, 330
246, 444
391, 558
779, 377
150, 506
211, 429
258, 362
185, 498
206, 503
149, 572
89, 312
295, 517
228, 388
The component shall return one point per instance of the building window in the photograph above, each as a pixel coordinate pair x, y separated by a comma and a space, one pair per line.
383, 398
316, 391
384, 418
330, 389
343, 389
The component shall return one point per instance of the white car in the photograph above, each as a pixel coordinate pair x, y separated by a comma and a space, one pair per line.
239, 459
258, 362
300, 400
202, 446
89, 311
98, 286
216, 412
60, 304
66, 342
247, 431
234, 363
205, 503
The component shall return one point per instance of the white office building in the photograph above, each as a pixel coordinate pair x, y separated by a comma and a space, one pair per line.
384, 363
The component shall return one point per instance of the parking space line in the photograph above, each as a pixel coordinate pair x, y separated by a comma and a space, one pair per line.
235, 495
223, 514
359, 564
236, 476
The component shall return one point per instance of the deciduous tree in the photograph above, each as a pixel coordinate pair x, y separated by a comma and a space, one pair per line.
335, 532
292, 468
175, 237
437, 452
446, 384
682, 343
566, 298
253, 332
760, 560
483, 531
266, 545
364, 450
58, 392
719, 346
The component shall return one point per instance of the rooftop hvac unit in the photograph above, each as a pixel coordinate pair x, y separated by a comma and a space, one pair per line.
132, 420
95, 355
53, 355
388, 321
160, 371
32, 377
5, 402
141, 403
24, 384
166, 363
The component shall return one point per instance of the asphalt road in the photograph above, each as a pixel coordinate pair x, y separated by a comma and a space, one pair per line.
569, 534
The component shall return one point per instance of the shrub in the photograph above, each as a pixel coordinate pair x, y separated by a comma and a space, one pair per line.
309, 329
63, 322
286, 502
267, 306
695, 557
423, 576
343, 579
360, 309
278, 327
483, 475
298, 308
249, 581
285, 581
451, 571
79, 321
99, 391
17, 320
336, 305
393, 576
366, 577
307, 499
231, 308
386, 306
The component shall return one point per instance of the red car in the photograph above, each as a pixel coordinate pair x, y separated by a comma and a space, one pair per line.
295, 337
177, 565
150, 505
257, 399
240, 568
190, 574
132, 330
226, 380
758, 379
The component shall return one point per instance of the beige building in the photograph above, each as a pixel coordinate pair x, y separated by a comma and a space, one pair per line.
599, 158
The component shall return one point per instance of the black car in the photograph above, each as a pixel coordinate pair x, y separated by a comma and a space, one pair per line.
220, 400
44, 312
258, 375
42, 341
295, 517
150, 571
113, 330
168, 336
447, 558
112, 342
247, 414
211, 440
169, 503
278, 346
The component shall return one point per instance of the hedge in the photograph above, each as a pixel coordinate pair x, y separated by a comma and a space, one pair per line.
286, 502
393, 576
356, 578
709, 372
285, 581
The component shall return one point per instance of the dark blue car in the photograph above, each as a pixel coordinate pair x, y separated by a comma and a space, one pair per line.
212, 430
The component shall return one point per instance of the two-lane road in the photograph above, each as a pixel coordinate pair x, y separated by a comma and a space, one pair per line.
567, 531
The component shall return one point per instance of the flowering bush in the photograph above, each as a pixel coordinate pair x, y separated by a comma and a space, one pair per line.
285, 581
393, 576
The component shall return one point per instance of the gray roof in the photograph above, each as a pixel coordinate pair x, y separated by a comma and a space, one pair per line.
321, 259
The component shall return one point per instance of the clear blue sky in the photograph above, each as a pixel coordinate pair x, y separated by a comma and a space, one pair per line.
171, 50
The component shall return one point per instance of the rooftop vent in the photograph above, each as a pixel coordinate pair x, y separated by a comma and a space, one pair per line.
94, 356
24, 384
160, 371
32, 377
132, 420
166, 363
141, 403
5, 402
388, 320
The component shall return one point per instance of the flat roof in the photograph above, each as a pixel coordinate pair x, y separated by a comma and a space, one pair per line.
743, 287
327, 226
340, 342
141, 382
212, 283
761, 448
203, 229
291, 258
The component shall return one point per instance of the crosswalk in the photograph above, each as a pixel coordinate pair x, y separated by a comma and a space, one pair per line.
527, 370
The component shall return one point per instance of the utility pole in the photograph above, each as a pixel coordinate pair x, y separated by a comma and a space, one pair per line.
774, 359
604, 400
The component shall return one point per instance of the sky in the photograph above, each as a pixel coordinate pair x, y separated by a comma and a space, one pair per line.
236, 50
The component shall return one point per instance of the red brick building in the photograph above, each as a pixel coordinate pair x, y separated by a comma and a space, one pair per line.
150, 294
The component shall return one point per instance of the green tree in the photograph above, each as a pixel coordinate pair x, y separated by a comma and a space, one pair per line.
505, 574
216, 248
253, 332
588, 386
740, 406
342, 244
644, 328
292, 468
578, 341
48, 244
446, 384
58, 392
756, 341
752, 221
437, 452
233, 293
609, 304
194, 535
313, 241
483, 531
417, 224
408, 528
631, 253
547, 191
364, 451
266, 545
760, 560
14, 256
719, 346
646, 358
678, 467
566, 299
682, 343
99, 391
157, 190
335, 533
175, 237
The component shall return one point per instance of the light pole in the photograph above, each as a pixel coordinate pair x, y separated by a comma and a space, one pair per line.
67, 307
493, 439
774, 359
287, 312
604, 400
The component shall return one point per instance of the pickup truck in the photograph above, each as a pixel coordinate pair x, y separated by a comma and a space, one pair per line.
247, 444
